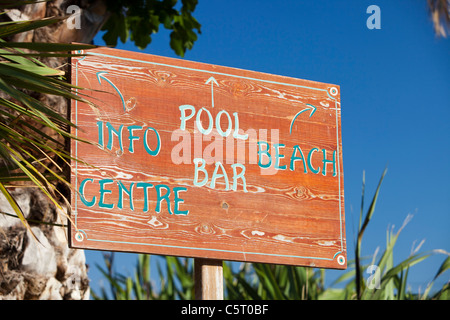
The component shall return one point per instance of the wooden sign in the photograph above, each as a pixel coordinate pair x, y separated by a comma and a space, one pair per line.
198, 160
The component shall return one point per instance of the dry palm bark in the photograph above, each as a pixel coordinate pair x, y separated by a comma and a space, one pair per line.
48, 269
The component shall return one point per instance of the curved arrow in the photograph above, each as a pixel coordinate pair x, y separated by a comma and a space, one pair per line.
212, 80
312, 108
100, 75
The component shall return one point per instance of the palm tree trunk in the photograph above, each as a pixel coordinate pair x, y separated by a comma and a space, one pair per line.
49, 269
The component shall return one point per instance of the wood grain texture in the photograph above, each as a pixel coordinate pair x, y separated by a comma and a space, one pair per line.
208, 279
292, 215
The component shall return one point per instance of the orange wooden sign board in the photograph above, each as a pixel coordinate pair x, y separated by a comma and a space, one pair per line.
198, 160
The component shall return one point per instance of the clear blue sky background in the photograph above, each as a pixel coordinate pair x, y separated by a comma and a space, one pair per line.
395, 90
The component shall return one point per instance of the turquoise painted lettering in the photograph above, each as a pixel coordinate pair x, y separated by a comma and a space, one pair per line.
199, 125
183, 116
81, 192
295, 158
160, 197
132, 137
123, 189
325, 162
217, 175
144, 186
117, 132
178, 200
264, 152
201, 168
240, 175
100, 133
297, 155
151, 152
236, 133
309, 161
219, 172
219, 127
129, 192
103, 191
278, 156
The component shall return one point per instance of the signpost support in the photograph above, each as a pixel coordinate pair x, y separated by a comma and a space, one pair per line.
208, 278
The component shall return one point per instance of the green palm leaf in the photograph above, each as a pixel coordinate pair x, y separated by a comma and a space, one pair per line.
26, 150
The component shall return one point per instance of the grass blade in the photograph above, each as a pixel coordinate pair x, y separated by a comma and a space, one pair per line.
369, 215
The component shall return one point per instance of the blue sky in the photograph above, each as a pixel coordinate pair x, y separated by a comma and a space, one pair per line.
395, 89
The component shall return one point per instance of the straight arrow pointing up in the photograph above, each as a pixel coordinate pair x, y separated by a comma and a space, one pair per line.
212, 81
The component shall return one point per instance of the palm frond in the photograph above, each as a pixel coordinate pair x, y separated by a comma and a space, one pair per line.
440, 16
32, 134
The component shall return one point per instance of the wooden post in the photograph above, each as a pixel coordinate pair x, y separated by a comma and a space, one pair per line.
208, 277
